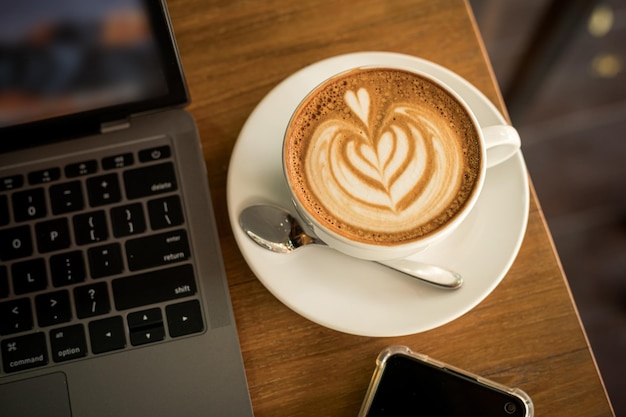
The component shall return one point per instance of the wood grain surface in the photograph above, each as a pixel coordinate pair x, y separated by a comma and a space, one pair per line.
526, 334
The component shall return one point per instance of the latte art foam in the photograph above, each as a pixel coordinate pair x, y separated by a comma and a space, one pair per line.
383, 156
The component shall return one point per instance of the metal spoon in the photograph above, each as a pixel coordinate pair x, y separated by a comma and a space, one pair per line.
275, 229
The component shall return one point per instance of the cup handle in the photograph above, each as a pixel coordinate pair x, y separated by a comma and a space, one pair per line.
502, 142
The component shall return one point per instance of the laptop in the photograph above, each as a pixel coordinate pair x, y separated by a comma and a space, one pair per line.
113, 295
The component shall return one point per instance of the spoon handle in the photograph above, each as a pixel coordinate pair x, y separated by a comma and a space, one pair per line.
432, 274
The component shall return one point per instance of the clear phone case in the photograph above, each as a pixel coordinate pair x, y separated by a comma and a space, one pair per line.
388, 352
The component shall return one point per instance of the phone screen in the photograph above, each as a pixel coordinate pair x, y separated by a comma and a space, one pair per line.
410, 387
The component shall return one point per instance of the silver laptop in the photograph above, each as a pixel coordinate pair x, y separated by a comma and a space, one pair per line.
113, 297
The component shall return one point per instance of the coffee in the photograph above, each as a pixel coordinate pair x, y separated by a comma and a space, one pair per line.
382, 156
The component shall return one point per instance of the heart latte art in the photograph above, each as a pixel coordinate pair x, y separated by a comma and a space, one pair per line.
382, 156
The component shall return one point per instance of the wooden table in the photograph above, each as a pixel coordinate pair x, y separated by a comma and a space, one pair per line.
527, 333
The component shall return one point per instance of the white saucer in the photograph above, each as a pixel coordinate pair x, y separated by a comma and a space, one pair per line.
361, 297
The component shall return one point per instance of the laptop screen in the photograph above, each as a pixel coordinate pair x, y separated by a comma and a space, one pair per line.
80, 63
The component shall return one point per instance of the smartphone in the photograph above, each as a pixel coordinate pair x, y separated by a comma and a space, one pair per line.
406, 383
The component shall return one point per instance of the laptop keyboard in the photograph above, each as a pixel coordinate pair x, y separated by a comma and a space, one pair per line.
94, 257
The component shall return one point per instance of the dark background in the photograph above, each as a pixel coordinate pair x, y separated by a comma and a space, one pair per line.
561, 68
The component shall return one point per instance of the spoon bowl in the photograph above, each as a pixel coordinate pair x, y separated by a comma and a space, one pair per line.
277, 230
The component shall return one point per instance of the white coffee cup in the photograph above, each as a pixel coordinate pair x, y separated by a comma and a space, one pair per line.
374, 158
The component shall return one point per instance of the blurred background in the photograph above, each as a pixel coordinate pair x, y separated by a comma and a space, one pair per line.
561, 69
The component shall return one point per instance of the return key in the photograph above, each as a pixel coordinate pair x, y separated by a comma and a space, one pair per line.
157, 250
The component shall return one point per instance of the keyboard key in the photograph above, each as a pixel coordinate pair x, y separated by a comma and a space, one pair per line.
53, 308
15, 243
184, 318
43, 176
165, 212
90, 228
4, 210
103, 190
67, 268
164, 284
118, 161
53, 235
29, 276
145, 318
155, 154
15, 316
11, 182
81, 168
147, 335
4, 282
128, 220
156, 250
92, 300
67, 197
24, 352
107, 334
68, 343
150, 180
105, 260
29, 204
146, 326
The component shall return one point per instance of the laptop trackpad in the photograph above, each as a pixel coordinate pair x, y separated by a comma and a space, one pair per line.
41, 396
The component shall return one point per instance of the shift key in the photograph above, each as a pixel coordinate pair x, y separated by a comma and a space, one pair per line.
157, 250
154, 287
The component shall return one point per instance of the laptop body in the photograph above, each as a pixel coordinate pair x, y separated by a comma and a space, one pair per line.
113, 296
